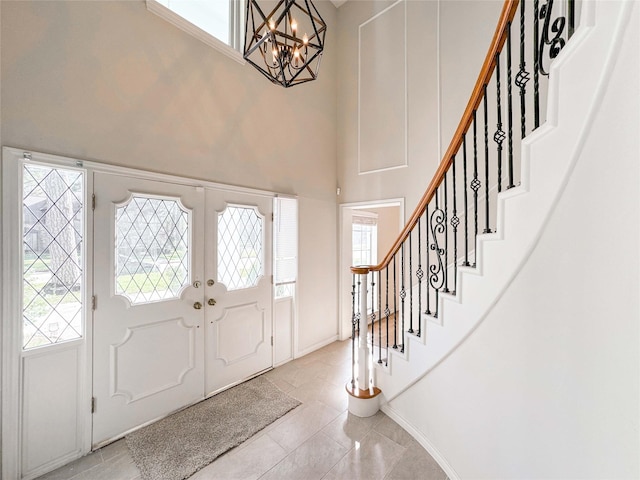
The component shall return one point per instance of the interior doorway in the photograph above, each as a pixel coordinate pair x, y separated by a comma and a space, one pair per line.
367, 231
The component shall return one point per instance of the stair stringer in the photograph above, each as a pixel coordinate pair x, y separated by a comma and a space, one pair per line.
548, 158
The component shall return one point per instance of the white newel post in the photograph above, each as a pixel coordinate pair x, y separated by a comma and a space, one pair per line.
364, 400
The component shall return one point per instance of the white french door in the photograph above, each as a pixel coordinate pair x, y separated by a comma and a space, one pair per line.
239, 287
183, 297
148, 357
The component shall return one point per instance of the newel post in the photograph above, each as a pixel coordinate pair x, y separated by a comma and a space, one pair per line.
364, 400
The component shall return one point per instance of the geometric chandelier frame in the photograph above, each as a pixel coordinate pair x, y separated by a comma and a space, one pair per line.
286, 44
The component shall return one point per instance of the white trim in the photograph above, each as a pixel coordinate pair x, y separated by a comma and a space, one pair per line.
316, 346
406, 92
11, 307
137, 173
167, 14
422, 440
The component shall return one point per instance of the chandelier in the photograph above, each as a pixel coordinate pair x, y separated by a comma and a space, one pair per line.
285, 45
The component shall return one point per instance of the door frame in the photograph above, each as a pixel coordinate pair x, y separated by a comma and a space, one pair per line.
11, 303
345, 251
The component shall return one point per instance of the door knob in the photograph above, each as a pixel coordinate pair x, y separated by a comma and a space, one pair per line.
211, 302
210, 283
197, 305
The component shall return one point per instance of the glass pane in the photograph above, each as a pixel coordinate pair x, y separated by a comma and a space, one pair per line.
152, 249
52, 222
239, 247
212, 16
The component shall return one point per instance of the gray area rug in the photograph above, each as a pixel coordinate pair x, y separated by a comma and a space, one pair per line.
176, 447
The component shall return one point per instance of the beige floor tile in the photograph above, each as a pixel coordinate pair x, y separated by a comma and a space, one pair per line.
74, 468
247, 463
371, 459
309, 461
120, 467
293, 432
416, 463
348, 429
393, 431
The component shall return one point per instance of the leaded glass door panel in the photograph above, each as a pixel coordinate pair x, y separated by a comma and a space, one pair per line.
238, 289
148, 335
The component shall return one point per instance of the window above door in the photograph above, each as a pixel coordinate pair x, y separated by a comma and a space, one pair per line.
218, 23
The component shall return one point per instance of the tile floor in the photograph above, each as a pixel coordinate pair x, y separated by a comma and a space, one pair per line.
317, 440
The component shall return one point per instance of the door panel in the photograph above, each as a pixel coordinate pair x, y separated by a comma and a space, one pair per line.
238, 323
148, 337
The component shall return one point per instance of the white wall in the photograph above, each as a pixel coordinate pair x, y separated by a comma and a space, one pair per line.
447, 41
548, 385
113, 82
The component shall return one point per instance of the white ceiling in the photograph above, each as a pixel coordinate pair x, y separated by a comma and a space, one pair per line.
337, 3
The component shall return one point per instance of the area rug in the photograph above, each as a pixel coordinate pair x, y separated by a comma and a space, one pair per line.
176, 447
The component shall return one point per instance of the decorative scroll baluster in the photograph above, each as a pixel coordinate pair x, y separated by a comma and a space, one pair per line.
523, 76
455, 221
446, 239
466, 203
499, 136
410, 285
436, 271
475, 185
403, 294
486, 164
419, 273
555, 42
509, 109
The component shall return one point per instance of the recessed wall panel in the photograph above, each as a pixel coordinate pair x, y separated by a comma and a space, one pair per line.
382, 99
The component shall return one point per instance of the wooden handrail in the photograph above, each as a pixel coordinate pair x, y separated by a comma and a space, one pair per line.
499, 38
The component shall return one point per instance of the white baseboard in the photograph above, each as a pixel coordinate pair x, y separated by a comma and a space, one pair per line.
422, 440
316, 346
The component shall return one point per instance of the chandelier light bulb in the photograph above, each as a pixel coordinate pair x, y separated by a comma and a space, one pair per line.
272, 25
294, 26
305, 39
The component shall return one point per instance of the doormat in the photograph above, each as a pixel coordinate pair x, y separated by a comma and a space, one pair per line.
176, 447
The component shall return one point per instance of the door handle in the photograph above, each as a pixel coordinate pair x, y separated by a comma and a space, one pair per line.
197, 305
211, 302
210, 282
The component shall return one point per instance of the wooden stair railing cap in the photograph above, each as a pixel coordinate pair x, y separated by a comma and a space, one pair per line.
499, 38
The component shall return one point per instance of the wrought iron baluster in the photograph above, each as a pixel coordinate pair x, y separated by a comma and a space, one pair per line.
380, 315
373, 311
509, 109
475, 185
387, 312
353, 331
410, 284
455, 221
536, 65
403, 293
445, 272
426, 223
486, 164
395, 306
523, 76
499, 136
419, 272
466, 203
571, 4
